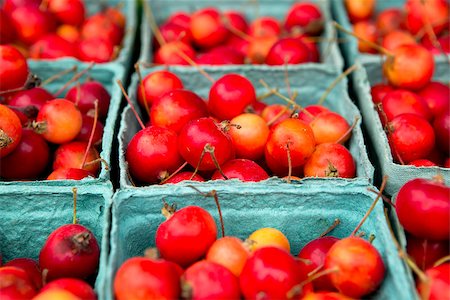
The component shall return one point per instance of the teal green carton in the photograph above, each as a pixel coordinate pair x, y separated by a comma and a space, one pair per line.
300, 211
363, 79
29, 214
310, 83
162, 9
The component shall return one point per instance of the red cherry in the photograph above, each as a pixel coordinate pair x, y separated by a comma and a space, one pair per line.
86, 129
16, 284
423, 209
378, 91
69, 174
446, 164
31, 267
229, 252
397, 38
10, 130
77, 287
330, 127
71, 155
330, 160
230, 95
288, 51
238, 44
444, 45
7, 34
184, 176
311, 111
28, 160
422, 163
236, 20
208, 280
368, 31
31, 23
325, 296
84, 97
10, 5
305, 16
69, 33
156, 84
14, 70
207, 28
359, 10
264, 26
359, 267
389, 20
222, 55
116, 15
68, 11
101, 26
36, 97
402, 102
435, 11
97, 50
275, 113
186, 235
436, 95
242, 169
259, 47
52, 46
426, 252
70, 251
412, 137
152, 154
438, 286
441, 127
168, 54
172, 32
180, 18
141, 278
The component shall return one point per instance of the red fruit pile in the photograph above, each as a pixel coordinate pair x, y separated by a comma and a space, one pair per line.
193, 264
60, 28
417, 22
42, 134
209, 36
221, 140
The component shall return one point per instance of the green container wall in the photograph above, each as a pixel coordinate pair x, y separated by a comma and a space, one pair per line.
310, 83
398, 174
301, 212
162, 9
31, 213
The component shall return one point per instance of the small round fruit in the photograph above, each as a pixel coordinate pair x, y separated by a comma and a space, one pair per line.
10, 130
267, 236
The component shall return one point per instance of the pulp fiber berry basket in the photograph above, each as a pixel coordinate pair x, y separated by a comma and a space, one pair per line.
162, 9
30, 214
301, 214
107, 76
310, 83
363, 79
350, 46
123, 60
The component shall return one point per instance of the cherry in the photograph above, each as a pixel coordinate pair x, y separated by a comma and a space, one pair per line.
436, 95
97, 50
70, 251
156, 84
259, 47
359, 10
69, 173
222, 55
441, 127
368, 31
71, 155
115, 15
56, 293
68, 12
242, 169
444, 45
236, 20
288, 51
275, 113
330, 160
433, 12
69, 33
229, 252
24, 114
28, 160
10, 130
174, 109
396, 38
414, 60
31, 267
101, 26
142, 278
269, 273
208, 280
379, 90
36, 97
268, 237
169, 54
401, 102
422, 163
60, 121
171, 32
230, 95
7, 34
10, 5
411, 137
31, 23
184, 176
423, 209
307, 115
204, 135
16, 284
52, 46
325, 296
152, 154
180, 18
304, 17
426, 252
86, 129
186, 235
14, 70
207, 28
316, 251
330, 127
264, 26
389, 20
84, 97
356, 267
75, 286
438, 286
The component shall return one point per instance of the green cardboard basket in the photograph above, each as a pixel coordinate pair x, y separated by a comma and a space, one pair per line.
30, 213
310, 82
162, 9
300, 211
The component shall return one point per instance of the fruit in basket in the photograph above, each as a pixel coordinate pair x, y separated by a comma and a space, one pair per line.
72, 155
436, 95
14, 71
379, 90
426, 252
265, 237
169, 54
304, 17
207, 28
330, 127
182, 176
431, 12
157, 84
230, 252
52, 46
396, 38
30, 23
10, 130
69, 173
97, 50
56, 293
36, 97
264, 26
242, 169
77, 287
438, 285
16, 284
441, 127
368, 31
221, 55
31, 267
84, 97
288, 51
389, 20
401, 102
86, 129
359, 10
330, 160
69, 12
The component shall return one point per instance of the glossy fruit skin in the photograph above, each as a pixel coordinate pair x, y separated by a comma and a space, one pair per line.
14, 70
230, 95
411, 67
379, 91
56, 294
141, 278
316, 251
85, 95
389, 20
86, 129
439, 286
31, 23
63, 256
271, 273
422, 163
271, 112
175, 108
230, 252
221, 55
208, 280
426, 252
100, 26
402, 102
31, 267
368, 31
412, 137
157, 84
28, 160
330, 160
193, 138
10, 130
184, 176
441, 127
259, 47
7, 34
68, 11
330, 127
16, 284
307, 115
423, 209
96, 50
173, 32
434, 11
71, 155
436, 95
242, 169
359, 10
77, 287
325, 296
264, 26
268, 237
152, 154
288, 50
69, 173
307, 16
207, 28
36, 97
52, 46
396, 38
360, 267
186, 236
168, 54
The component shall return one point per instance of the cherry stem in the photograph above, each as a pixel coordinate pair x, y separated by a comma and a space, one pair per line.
174, 173
236, 31
210, 149
297, 289
278, 115
213, 193
106, 166
371, 44
383, 197
119, 82
73, 79
371, 208
266, 95
59, 75
289, 163
194, 64
151, 20
442, 261
331, 228
348, 132
336, 82
371, 238
152, 253
32, 81
141, 86
91, 137
168, 210
74, 191
44, 277
5, 140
